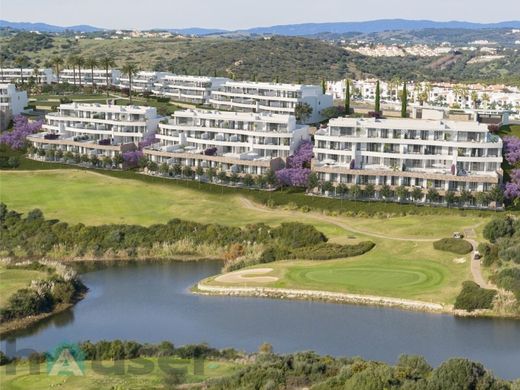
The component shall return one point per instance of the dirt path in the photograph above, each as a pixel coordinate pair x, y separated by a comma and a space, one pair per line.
248, 204
476, 270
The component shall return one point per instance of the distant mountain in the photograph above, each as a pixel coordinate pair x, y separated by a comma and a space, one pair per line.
44, 27
196, 31
303, 29
373, 26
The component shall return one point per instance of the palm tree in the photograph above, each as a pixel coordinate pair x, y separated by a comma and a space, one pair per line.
20, 62
107, 62
130, 70
80, 61
71, 62
91, 63
57, 62
36, 74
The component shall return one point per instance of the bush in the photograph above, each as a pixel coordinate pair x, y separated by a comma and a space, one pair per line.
328, 251
473, 297
489, 253
509, 279
454, 245
499, 227
25, 302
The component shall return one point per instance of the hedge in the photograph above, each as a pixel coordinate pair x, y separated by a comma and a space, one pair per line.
454, 245
473, 297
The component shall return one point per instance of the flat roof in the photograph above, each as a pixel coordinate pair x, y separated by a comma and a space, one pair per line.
233, 115
410, 124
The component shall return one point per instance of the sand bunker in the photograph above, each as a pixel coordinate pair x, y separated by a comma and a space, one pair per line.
459, 260
247, 275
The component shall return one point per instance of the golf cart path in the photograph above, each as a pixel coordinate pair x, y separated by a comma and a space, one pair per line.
248, 204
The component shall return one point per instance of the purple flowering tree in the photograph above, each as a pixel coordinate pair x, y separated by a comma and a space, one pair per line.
512, 189
298, 167
131, 159
148, 140
512, 150
16, 138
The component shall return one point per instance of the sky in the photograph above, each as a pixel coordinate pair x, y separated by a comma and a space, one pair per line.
239, 14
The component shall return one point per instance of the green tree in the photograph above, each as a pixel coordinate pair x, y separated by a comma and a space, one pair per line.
323, 86
327, 186
385, 191
465, 197
164, 169
432, 195
312, 181
187, 171
404, 102
377, 106
20, 62
356, 191
347, 97
248, 180
152, 166
199, 171
118, 159
80, 61
369, 190
302, 111
57, 62
222, 176
107, 62
130, 70
71, 62
402, 192
270, 177
449, 197
91, 63
417, 194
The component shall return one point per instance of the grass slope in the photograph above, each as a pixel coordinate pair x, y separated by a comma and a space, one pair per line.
399, 266
110, 379
15, 279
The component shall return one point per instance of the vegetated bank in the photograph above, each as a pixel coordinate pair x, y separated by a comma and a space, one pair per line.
43, 297
166, 366
34, 237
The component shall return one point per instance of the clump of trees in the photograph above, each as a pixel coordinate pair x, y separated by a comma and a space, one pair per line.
473, 297
42, 296
36, 237
309, 370
454, 245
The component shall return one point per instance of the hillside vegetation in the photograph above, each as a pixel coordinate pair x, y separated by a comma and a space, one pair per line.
288, 59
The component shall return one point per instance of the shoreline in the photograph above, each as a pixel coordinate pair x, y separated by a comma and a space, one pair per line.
342, 298
23, 323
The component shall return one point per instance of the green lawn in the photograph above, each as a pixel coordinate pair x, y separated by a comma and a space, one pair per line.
23, 379
15, 279
407, 269
510, 130
401, 269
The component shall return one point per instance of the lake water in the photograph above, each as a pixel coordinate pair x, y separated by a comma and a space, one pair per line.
151, 302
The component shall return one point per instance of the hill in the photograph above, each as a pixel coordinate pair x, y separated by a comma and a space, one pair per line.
44, 27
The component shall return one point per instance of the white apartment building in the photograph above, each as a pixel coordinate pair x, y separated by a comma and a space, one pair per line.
12, 103
188, 89
248, 96
234, 142
445, 155
143, 81
15, 75
100, 76
96, 129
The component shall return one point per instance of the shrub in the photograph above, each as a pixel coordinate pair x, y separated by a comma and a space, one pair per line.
454, 245
509, 279
499, 227
473, 297
328, 251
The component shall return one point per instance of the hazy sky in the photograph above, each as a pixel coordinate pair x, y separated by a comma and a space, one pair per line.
237, 14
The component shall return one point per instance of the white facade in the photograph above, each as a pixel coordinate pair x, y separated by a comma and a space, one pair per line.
445, 155
275, 98
141, 82
189, 89
15, 75
230, 141
100, 76
11, 100
96, 128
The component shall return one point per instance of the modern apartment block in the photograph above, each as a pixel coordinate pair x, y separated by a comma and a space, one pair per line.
444, 155
273, 98
100, 76
96, 129
230, 141
143, 81
188, 89
12, 102
15, 75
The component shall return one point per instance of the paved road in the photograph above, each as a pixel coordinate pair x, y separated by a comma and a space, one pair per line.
476, 270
